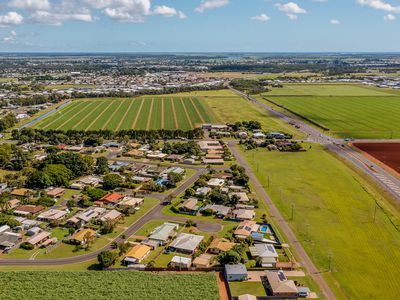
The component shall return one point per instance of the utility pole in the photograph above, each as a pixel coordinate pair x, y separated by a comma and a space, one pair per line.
375, 210
330, 262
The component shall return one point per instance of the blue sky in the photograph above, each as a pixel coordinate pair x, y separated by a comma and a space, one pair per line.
199, 25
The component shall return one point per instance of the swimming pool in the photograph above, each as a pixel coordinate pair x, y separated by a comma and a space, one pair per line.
263, 228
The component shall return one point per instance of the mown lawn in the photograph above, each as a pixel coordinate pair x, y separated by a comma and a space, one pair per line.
333, 218
107, 285
245, 287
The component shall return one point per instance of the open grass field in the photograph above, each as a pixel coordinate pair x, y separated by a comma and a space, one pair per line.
145, 113
333, 217
231, 108
346, 110
107, 285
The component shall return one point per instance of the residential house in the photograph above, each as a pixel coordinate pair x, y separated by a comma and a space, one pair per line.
219, 245
220, 211
82, 236
52, 215
56, 192
203, 261
190, 206
111, 215
180, 262
13, 203
38, 238
22, 192
161, 235
210, 145
212, 161
266, 253
9, 240
130, 202
242, 196
86, 216
243, 214
28, 210
246, 297
186, 243
174, 158
136, 254
259, 135
216, 182
110, 199
33, 231
245, 228
278, 285
203, 191
236, 272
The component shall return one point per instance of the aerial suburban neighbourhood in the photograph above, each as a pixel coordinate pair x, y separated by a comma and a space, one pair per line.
202, 150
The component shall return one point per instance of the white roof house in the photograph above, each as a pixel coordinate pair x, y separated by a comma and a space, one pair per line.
266, 252
186, 242
52, 215
216, 182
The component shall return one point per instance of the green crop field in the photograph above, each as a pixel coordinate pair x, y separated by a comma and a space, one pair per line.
107, 285
346, 110
333, 217
144, 113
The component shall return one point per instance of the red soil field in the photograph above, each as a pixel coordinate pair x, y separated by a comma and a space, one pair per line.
387, 153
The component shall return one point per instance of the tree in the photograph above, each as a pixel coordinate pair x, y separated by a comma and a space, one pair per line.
5, 155
60, 175
45, 201
228, 257
106, 258
39, 179
101, 165
108, 226
95, 193
111, 181
174, 178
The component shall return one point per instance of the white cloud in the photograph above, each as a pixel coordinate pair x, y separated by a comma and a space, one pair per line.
30, 4
11, 18
167, 11
211, 4
334, 22
389, 18
11, 38
380, 5
291, 9
57, 19
261, 18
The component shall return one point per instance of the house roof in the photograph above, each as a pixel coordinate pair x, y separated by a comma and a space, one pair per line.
203, 260
245, 214
30, 209
80, 235
20, 192
111, 215
181, 260
221, 244
245, 228
55, 192
238, 269
279, 284
138, 252
190, 204
263, 250
163, 232
112, 198
130, 201
186, 241
247, 297
38, 238
52, 214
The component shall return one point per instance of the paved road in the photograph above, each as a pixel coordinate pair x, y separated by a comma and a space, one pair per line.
385, 179
154, 214
283, 225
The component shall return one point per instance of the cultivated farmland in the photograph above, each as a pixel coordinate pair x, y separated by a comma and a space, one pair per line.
107, 285
145, 113
346, 110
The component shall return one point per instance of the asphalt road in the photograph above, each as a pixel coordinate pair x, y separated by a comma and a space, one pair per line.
154, 214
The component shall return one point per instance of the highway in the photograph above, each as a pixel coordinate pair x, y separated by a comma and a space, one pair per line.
386, 180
